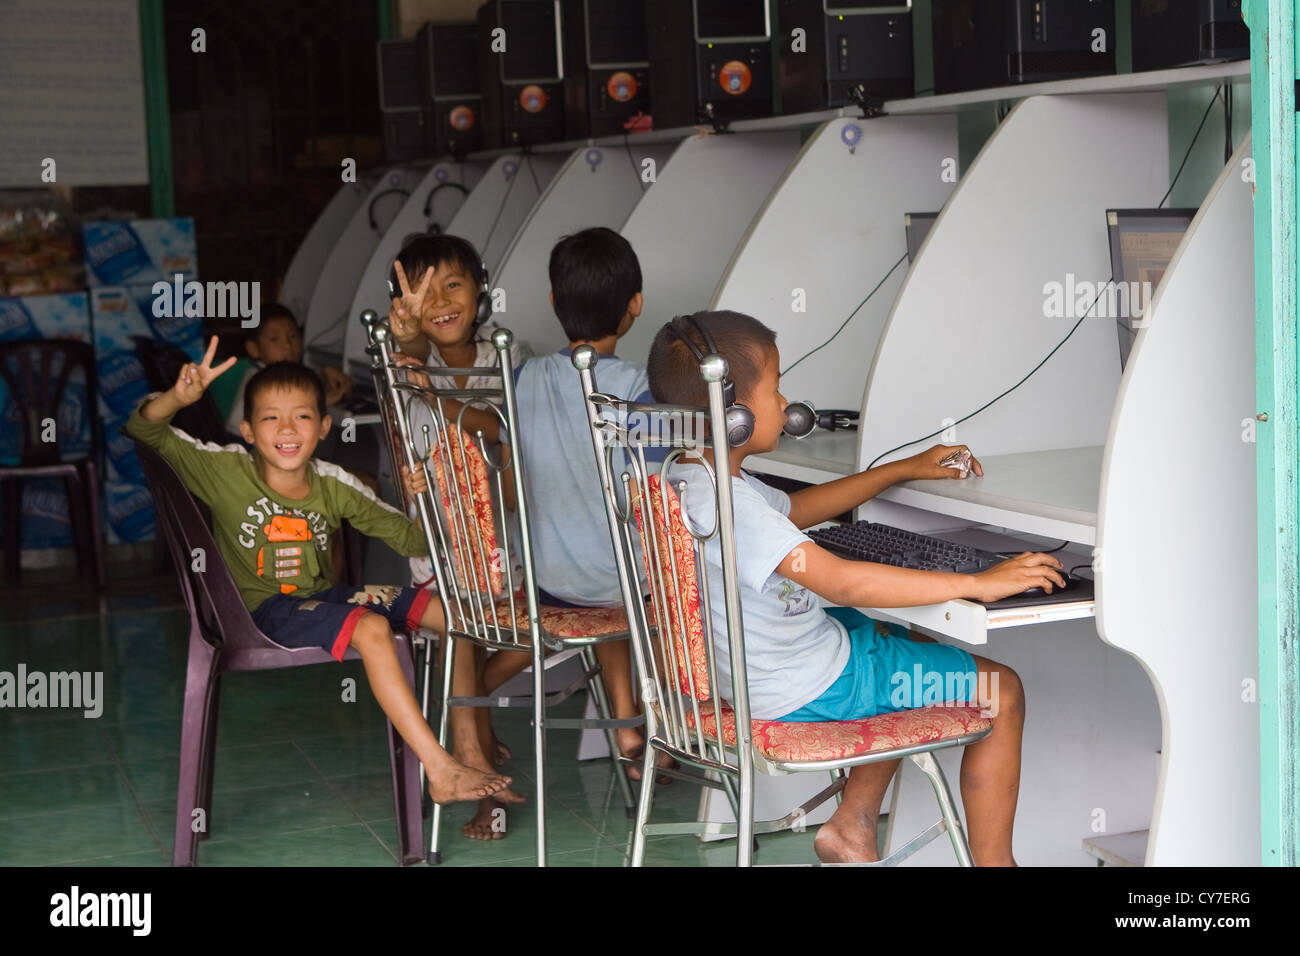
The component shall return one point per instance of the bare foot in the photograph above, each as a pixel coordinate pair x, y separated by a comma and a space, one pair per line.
457, 782
851, 840
488, 824
501, 753
632, 746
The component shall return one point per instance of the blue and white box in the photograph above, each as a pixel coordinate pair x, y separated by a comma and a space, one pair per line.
139, 251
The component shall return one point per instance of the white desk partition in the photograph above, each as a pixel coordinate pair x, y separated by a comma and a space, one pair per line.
371, 290
488, 218
1176, 534
686, 228
492, 213
327, 309
432, 204
309, 259
969, 321
596, 186
833, 228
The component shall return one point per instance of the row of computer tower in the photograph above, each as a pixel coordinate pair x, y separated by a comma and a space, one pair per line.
536, 71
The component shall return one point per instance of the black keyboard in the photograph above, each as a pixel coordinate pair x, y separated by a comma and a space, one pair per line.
868, 541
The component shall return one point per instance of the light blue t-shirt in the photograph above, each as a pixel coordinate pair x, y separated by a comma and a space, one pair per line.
572, 551
794, 650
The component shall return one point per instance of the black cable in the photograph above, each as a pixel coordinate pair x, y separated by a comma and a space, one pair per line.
901, 260
636, 170
998, 398
532, 172
1227, 122
500, 209
1190, 146
1059, 547
1074, 328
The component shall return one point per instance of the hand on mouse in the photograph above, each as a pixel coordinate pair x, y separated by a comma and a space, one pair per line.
1019, 574
926, 464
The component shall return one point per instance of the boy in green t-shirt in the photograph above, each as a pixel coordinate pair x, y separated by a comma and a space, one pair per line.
273, 512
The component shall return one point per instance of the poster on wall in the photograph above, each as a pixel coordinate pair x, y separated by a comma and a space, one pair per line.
71, 94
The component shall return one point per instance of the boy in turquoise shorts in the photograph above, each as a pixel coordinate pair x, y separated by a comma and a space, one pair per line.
809, 662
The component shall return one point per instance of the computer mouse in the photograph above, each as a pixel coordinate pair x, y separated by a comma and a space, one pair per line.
1070, 584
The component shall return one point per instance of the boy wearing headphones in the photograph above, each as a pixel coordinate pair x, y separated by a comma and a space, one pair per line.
810, 662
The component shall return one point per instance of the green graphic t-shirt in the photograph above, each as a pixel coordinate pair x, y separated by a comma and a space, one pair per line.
275, 545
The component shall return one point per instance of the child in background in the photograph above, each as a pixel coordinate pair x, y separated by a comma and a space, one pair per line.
273, 511
807, 662
277, 338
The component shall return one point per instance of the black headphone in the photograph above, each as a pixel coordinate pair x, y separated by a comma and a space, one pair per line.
484, 305
432, 228
802, 419
739, 420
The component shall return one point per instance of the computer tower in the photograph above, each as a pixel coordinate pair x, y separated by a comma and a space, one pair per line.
522, 84
405, 121
1170, 33
606, 66
716, 55
984, 43
449, 78
847, 44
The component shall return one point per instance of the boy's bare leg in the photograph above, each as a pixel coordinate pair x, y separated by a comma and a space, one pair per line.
616, 666
990, 784
990, 769
849, 836
472, 746
449, 780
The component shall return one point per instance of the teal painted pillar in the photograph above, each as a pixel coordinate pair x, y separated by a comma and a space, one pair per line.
1273, 25
387, 21
153, 57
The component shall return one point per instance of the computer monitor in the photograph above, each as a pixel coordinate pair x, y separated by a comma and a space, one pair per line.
1142, 241
917, 225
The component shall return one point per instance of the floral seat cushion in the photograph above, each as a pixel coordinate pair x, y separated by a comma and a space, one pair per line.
840, 739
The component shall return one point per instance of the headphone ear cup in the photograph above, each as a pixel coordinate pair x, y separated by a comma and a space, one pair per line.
484, 298
740, 425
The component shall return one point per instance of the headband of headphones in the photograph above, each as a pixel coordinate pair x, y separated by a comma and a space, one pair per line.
738, 419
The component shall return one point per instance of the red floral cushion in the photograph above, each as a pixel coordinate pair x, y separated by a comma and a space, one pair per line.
672, 541
566, 621
471, 516
838, 739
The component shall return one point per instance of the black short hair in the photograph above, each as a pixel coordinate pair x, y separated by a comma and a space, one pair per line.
271, 311
283, 375
594, 274
425, 252
674, 370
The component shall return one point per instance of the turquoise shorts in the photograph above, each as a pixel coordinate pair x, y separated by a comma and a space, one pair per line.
888, 672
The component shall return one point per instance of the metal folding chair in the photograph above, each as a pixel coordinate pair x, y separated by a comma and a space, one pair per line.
470, 539
678, 660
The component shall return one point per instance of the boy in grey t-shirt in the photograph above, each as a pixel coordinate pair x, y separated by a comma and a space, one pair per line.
807, 662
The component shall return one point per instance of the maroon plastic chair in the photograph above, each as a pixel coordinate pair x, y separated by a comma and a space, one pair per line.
224, 638
37, 375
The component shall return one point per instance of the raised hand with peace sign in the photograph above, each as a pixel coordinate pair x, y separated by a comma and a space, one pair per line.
191, 383
405, 312
194, 378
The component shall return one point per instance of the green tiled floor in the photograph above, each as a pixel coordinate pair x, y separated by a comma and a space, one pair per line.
301, 776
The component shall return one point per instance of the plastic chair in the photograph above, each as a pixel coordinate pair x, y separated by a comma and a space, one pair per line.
474, 564
678, 661
224, 638
37, 375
